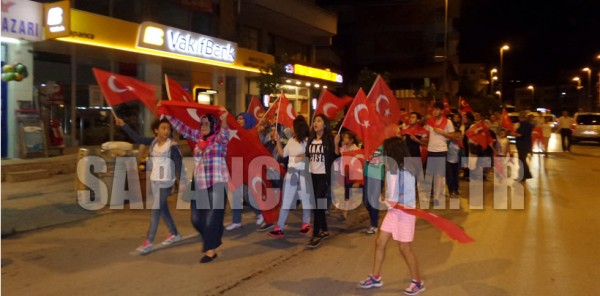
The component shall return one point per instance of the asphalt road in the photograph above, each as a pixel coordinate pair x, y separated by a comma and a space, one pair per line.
548, 248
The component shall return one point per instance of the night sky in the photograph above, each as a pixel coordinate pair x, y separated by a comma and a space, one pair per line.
550, 40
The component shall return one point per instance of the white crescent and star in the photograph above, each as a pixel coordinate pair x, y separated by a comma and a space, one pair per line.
192, 112
233, 134
357, 110
113, 87
254, 181
289, 112
255, 111
326, 108
387, 111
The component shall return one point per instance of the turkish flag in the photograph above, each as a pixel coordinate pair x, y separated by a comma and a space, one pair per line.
505, 121
175, 92
352, 164
282, 111
384, 101
118, 89
330, 104
415, 130
365, 122
446, 110
255, 107
464, 106
242, 144
480, 134
404, 117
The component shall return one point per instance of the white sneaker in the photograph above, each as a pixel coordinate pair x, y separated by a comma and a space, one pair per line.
171, 239
260, 219
145, 248
233, 226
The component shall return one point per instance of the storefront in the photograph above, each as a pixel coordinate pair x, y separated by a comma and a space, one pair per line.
217, 72
304, 85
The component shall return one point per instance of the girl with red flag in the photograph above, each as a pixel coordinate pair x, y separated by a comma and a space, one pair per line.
397, 224
210, 178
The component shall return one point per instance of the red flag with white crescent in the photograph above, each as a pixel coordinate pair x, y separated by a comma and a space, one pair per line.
330, 104
352, 164
446, 226
505, 121
464, 106
282, 111
175, 92
242, 144
118, 89
480, 134
255, 108
386, 104
365, 122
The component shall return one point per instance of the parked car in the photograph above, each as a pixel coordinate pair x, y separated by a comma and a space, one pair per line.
586, 127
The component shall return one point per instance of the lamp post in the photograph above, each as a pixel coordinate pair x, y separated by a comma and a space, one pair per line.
578, 80
494, 70
532, 89
589, 85
445, 74
502, 49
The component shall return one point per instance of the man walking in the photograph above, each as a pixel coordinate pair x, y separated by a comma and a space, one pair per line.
565, 122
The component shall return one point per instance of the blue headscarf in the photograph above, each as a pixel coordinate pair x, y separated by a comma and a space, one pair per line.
249, 119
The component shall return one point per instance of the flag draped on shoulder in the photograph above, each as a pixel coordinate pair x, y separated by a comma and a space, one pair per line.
505, 122
330, 104
365, 122
386, 105
242, 144
118, 89
415, 130
255, 107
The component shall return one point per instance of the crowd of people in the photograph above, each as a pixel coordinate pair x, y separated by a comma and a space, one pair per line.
435, 143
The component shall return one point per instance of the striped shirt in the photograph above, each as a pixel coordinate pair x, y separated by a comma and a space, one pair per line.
210, 163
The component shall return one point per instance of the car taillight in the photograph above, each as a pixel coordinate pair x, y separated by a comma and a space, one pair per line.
573, 126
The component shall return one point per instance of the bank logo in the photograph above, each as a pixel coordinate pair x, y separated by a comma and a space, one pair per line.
154, 36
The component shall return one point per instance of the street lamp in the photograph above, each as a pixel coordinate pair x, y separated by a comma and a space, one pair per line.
578, 80
589, 83
502, 49
532, 89
494, 70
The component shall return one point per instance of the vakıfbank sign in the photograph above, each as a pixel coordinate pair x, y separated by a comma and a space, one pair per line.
160, 37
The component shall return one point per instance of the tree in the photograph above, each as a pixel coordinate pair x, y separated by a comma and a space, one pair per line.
270, 77
366, 78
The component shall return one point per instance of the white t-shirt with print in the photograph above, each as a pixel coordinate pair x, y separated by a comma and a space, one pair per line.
292, 149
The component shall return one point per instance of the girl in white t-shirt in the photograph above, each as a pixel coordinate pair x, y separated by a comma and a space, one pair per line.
397, 224
295, 178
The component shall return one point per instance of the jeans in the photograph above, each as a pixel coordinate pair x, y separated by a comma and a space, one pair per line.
208, 212
161, 210
371, 194
240, 195
452, 171
294, 183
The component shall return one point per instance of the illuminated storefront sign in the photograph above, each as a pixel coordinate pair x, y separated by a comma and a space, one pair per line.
324, 74
22, 19
163, 38
57, 17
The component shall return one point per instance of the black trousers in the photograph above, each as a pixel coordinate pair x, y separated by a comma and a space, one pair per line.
523, 159
566, 133
320, 187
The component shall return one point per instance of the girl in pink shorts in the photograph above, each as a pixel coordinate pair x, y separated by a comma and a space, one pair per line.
398, 225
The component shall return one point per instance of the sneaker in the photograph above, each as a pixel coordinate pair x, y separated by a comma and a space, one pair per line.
415, 288
276, 233
371, 230
371, 282
260, 219
233, 226
306, 228
265, 227
171, 239
314, 242
145, 248
324, 235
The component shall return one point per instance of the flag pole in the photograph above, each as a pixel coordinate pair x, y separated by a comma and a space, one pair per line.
278, 111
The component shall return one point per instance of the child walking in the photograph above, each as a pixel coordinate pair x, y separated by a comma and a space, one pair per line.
397, 224
164, 165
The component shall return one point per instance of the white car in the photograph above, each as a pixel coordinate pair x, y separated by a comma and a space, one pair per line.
586, 127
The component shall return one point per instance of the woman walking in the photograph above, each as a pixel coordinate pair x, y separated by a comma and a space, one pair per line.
210, 178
